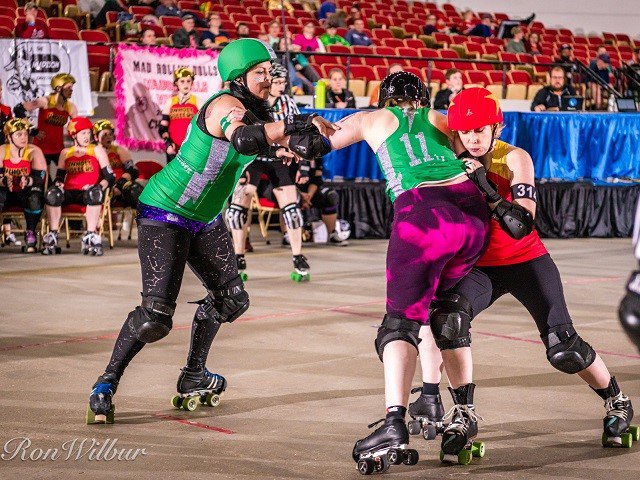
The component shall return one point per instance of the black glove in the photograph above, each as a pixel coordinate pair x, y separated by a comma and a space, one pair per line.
19, 111
302, 123
479, 177
629, 310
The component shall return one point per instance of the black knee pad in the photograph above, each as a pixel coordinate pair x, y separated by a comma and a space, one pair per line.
567, 351
93, 195
230, 301
54, 196
397, 328
450, 320
33, 201
152, 320
292, 216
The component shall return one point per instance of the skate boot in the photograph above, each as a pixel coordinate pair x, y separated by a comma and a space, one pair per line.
387, 445
91, 244
198, 386
242, 266
618, 431
300, 269
335, 239
31, 240
427, 414
50, 244
10, 240
101, 409
457, 439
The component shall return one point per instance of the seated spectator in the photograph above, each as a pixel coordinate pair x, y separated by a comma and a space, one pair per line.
30, 26
468, 22
275, 32
375, 93
304, 72
355, 14
331, 37
326, 8
339, 19
276, 5
113, 6
215, 36
207, 6
337, 94
148, 36
187, 36
515, 44
432, 25
484, 28
533, 44
242, 30
168, 8
357, 35
548, 99
453, 77
566, 57
307, 40
601, 66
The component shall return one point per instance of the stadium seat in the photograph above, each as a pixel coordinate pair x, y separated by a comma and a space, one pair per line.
495, 76
6, 32
94, 36
325, 68
386, 51
476, 77
496, 89
61, 23
364, 72
42, 15
7, 22
380, 34
140, 10
533, 89
57, 34
8, 12
516, 91
436, 75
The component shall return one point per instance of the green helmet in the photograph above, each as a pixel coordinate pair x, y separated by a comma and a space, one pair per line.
240, 55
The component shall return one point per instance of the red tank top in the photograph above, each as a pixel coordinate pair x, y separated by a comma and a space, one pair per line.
180, 115
115, 161
502, 249
81, 170
19, 169
51, 121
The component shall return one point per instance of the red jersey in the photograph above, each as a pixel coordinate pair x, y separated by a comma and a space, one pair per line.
81, 170
180, 115
502, 249
20, 169
51, 121
117, 165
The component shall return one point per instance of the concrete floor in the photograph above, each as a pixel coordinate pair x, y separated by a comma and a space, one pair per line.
304, 380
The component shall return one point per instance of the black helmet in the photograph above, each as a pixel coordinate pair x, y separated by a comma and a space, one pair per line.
278, 71
403, 86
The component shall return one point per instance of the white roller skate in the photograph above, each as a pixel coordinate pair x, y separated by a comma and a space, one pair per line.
50, 244
91, 244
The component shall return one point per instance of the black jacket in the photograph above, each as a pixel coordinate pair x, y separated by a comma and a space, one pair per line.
547, 97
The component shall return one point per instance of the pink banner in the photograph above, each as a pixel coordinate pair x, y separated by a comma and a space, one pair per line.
144, 83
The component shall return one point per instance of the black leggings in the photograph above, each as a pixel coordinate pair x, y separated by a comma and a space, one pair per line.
164, 250
20, 199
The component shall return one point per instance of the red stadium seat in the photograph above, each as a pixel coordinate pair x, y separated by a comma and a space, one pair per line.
380, 71
411, 29
6, 32
519, 76
42, 15
436, 75
507, 57
99, 57
413, 43
623, 38
496, 41
159, 31
495, 76
138, 10
474, 48
94, 36
229, 9
580, 41
380, 34
188, 5
327, 67
415, 70
7, 22
171, 21
241, 17
387, 52
429, 53
57, 34
491, 49
484, 66
525, 57
363, 72
609, 38
147, 169
62, 24
476, 77
594, 40
500, 16
8, 12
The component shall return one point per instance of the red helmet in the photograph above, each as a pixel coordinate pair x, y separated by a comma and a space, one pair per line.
78, 124
474, 108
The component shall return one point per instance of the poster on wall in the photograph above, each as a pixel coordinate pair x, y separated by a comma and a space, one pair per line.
144, 83
28, 65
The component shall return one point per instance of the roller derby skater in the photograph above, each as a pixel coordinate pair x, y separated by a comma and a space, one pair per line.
629, 309
22, 177
440, 228
82, 178
457, 438
179, 221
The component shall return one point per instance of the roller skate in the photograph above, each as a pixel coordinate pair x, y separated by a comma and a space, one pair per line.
50, 244
427, 414
31, 242
198, 386
300, 269
386, 446
335, 239
101, 409
618, 431
10, 240
457, 439
91, 244
242, 266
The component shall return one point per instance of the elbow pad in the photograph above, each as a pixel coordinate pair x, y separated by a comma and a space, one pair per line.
249, 139
130, 168
61, 174
108, 175
20, 111
514, 219
309, 145
38, 178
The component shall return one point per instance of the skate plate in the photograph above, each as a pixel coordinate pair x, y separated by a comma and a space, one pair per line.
190, 401
93, 418
379, 461
474, 449
425, 427
625, 440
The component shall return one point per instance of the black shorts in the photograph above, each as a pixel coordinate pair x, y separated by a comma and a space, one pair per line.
52, 158
277, 172
320, 201
536, 284
74, 197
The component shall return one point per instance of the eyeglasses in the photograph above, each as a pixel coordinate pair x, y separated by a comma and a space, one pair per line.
278, 82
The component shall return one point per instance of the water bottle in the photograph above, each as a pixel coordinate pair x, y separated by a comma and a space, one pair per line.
320, 100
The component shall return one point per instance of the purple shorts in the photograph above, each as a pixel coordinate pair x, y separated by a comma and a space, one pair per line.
194, 227
438, 234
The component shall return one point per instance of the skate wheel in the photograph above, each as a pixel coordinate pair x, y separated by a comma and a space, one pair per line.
414, 427
382, 464
244, 277
442, 456
627, 440
111, 416
90, 417
366, 466
58, 250
411, 457
478, 449
176, 401
213, 400
430, 432
634, 430
464, 457
190, 404
394, 456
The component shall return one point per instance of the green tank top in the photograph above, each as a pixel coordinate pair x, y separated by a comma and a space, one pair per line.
416, 153
198, 182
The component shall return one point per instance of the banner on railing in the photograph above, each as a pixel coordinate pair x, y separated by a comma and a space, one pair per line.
144, 83
28, 65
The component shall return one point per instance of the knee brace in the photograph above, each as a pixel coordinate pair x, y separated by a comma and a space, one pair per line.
230, 301
93, 195
54, 196
396, 328
33, 201
292, 216
567, 351
450, 320
152, 320
236, 216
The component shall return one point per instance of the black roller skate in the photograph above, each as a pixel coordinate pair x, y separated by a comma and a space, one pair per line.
198, 386
10, 240
457, 439
386, 446
31, 242
242, 266
618, 431
101, 409
300, 269
427, 414
50, 244
91, 244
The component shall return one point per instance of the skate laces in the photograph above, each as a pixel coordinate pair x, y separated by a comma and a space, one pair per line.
615, 406
460, 416
371, 425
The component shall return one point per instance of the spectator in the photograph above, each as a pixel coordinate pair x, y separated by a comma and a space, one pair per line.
601, 66
331, 37
307, 40
31, 26
187, 36
453, 77
215, 36
533, 44
635, 61
339, 19
148, 36
566, 57
337, 94
278, 4
515, 44
242, 30
468, 22
357, 35
484, 28
275, 32
355, 14
431, 26
375, 93
305, 73
168, 8
326, 8
549, 97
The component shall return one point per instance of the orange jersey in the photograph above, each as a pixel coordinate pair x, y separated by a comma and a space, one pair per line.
502, 249
81, 170
20, 169
117, 165
180, 114
51, 122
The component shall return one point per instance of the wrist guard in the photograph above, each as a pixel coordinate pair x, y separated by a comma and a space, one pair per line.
479, 177
299, 123
61, 174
